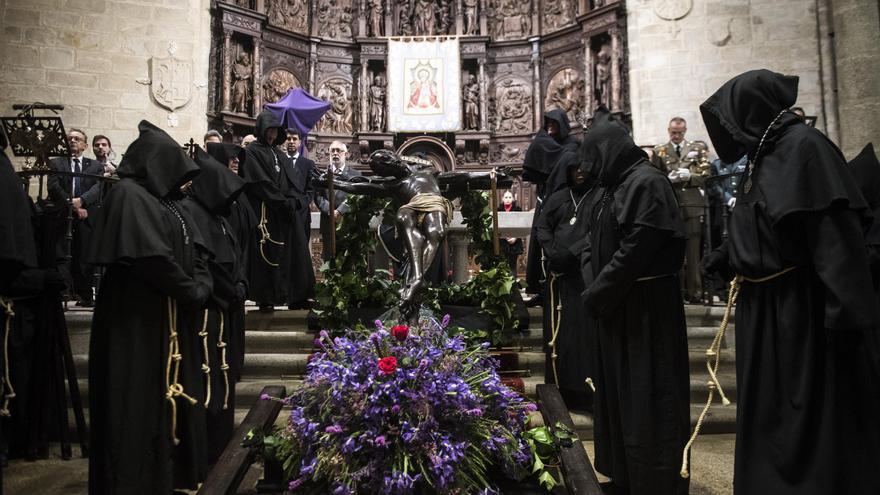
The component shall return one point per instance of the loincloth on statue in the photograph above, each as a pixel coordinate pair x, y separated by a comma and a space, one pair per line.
429, 203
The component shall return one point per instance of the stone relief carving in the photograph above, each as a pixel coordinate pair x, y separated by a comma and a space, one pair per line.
377, 103
373, 49
557, 13
277, 83
239, 21
424, 17
242, 71
288, 14
334, 18
471, 21
511, 19
470, 95
337, 120
566, 92
376, 18
671, 10
512, 104
245, 4
508, 152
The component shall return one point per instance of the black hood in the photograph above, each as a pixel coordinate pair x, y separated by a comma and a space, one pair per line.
737, 115
608, 152
157, 162
866, 170
217, 187
561, 118
223, 152
265, 121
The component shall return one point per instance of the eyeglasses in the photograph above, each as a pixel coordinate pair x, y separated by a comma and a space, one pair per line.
75, 138
338, 150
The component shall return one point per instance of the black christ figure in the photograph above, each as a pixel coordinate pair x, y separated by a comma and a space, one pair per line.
425, 211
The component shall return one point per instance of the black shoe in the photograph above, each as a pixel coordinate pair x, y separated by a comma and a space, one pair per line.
85, 303
535, 301
267, 308
307, 305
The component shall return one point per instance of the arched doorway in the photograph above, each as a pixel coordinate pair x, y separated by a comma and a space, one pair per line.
434, 150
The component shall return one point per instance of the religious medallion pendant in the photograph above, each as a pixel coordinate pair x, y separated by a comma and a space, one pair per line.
573, 221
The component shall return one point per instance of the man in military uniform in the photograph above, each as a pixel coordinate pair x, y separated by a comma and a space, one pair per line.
686, 164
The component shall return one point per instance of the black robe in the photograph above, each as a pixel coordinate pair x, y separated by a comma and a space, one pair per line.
576, 337
269, 261
148, 248
642, 400
243, 223
541, 168
807, 416
210, 197
298, 193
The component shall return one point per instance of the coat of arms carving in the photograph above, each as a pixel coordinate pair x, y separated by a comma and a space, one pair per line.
171, 82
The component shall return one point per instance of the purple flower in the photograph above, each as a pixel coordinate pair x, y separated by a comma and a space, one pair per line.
333, 429
265, 397
294, 484
379, 441
395, 409
475, 412
379, 325
445, 321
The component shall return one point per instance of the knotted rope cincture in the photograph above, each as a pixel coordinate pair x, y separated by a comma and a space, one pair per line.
264, 234
713, 360
589, 382
172, 370
9, 391
206, 365
224, 366
555, 320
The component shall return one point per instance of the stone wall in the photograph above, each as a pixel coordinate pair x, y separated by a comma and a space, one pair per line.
93, 56
681, 51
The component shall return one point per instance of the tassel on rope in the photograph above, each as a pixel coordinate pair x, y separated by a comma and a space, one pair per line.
224, 366
172, 370
9, 391
713, 360
206, 365
589, 382
264, 234
555, 319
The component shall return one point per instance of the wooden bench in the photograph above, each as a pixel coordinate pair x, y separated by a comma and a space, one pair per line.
228, 472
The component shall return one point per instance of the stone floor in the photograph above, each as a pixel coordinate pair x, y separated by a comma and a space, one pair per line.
712, 471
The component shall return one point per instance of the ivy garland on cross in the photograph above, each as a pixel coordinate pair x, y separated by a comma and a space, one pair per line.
352, 284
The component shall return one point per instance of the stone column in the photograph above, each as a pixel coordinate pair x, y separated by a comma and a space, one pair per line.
484, 19
858, 85
227, 70
616, 56
459, 245
389, 18
484, 95
536, 81
257, 77
363, 30
589, 97
365, 92
459, 18
313, 64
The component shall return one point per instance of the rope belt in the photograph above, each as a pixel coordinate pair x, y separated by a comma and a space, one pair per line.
9, 391
264, 234
224, 366
555, 319
713, 360
654, 277
172, 370
206, 365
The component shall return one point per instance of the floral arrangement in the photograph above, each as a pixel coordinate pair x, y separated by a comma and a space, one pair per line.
404, 410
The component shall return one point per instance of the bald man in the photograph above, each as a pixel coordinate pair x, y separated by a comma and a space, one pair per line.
337, 165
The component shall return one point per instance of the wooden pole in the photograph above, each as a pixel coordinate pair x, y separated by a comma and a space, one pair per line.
331, 210
493, 181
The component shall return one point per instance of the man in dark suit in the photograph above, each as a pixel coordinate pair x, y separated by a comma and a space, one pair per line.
84, 194
338, 152
297, 170
300, 178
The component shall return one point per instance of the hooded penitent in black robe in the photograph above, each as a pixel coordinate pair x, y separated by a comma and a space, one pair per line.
807, 421
571, 329
540, 168
642, 400
269, 263
243, 222
147, 245
210, 198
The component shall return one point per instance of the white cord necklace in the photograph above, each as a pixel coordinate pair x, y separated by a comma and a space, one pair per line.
577, 205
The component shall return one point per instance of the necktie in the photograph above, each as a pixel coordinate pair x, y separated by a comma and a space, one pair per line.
678, 149
77, 169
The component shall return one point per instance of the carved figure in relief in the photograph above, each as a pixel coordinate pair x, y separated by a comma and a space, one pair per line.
277, 83
338, 119
557, 13
241, 87
513, 106
335, 18
512, 19
470, 17
377, 103
566, 92
243, 3
603, 75
288, 14
375, 21
425, 18
471, 97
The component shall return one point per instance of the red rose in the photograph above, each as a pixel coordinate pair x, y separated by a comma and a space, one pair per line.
388, 365
400, 332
